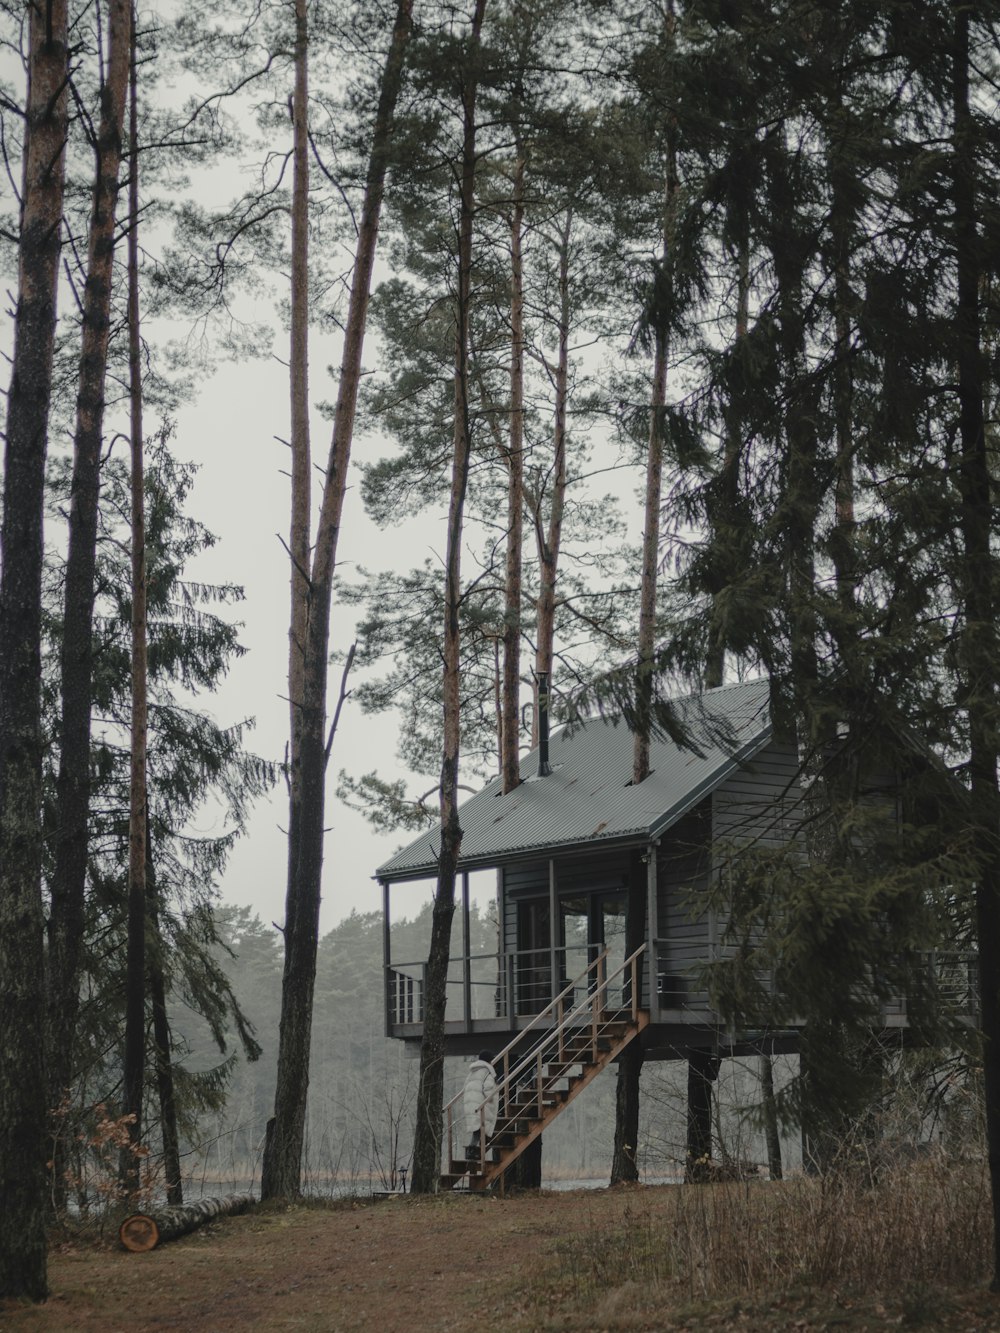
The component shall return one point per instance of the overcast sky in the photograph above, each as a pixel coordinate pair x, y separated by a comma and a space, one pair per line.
241, 495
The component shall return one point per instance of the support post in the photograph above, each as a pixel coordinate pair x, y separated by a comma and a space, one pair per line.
554, 986
466, 952
703, 1070
386, 959
652, 931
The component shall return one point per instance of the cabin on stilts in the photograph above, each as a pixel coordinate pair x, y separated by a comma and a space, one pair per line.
573, 979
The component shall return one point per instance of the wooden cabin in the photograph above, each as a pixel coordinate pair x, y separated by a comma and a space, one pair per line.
568, 847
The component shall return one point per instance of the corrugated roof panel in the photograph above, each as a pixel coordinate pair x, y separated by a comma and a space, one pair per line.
589, 798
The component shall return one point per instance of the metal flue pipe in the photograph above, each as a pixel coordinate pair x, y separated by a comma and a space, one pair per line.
544, 768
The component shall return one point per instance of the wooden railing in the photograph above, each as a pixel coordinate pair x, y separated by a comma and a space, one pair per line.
548, 1044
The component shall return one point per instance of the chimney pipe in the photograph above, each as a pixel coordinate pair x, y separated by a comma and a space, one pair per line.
543, 724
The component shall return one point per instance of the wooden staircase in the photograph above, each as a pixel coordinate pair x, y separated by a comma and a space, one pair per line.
553, 1059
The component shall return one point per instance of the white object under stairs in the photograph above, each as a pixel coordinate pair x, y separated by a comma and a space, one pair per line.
563, 1049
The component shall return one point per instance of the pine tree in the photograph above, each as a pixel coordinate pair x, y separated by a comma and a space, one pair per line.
283, 1155
22, 1071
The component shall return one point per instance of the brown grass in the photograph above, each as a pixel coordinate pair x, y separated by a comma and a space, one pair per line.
916, 1230
911, 1251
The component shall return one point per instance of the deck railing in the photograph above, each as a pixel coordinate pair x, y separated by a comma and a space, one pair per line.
523, 1062
509, 986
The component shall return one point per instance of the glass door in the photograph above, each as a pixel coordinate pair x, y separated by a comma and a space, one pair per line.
574, 935
610, 924
533, 971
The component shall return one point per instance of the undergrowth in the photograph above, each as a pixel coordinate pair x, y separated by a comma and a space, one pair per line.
915, 1229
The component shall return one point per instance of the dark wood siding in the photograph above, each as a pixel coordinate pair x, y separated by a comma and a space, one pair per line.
684, 926
761, 801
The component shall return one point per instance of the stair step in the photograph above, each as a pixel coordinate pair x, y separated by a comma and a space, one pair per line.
576, 1063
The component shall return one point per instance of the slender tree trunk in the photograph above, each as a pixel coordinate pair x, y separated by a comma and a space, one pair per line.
66, 920
548, 536
624, 1161
135, 984
703, 1070
725, 515
301, 460
800, 501
769, 1111
427, 1134
650, 561
66, 912
510, 766
979, 638
22, 999
624, 1166
282, 1168
296, 1015
162, 1041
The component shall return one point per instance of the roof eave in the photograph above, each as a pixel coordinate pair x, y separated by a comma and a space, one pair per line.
634, 838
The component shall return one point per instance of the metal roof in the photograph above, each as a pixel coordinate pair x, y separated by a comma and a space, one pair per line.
588, 799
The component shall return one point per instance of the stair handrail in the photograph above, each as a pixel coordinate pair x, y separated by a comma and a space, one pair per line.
553, 1006
591, 1005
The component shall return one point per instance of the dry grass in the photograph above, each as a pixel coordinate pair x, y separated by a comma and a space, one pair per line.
916, 1231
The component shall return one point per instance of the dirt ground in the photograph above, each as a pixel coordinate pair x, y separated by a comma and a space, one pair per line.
415, 1264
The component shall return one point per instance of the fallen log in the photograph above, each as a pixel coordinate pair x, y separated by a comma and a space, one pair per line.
144, 1231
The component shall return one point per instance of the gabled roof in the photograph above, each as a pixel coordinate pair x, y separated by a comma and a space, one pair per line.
588, 799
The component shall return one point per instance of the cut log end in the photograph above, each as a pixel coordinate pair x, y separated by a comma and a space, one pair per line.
144, 1231
139, 1233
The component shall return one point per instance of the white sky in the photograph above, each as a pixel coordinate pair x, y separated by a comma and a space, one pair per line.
241, 494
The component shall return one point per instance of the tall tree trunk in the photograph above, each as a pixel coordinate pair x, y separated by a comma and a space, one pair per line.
430, 1092
769, 1112
650, 560
282, 1168
135, 983
703, 1070
624, 1161
301, 460
510, 766
162, 1041
624, 1165
66, 912
790, 250
548, 536
22, 998
979, 637
724, 513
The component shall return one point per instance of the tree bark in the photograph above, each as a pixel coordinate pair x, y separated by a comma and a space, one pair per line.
162, 1041
301, 468
282, 1168
510, 765
66, 912
724, 514
135, 983
142, 1232
624, 1161
769, 1111
624, 1166
548, 536
427, 1134
22, 997
703, 1070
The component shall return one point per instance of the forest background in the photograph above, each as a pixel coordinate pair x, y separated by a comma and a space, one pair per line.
749, 254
